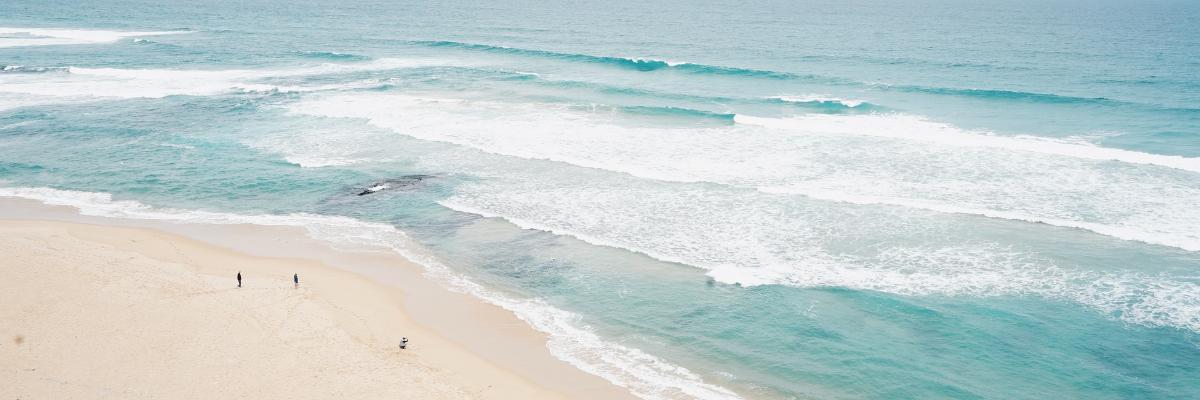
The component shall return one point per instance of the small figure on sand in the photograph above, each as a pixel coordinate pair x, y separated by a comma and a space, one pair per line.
403, 343
296, 281
239, 278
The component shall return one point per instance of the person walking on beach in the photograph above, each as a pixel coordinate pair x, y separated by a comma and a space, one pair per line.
239, 278
403, 343
296, 280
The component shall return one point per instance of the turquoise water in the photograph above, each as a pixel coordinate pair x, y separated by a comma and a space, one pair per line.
856, 200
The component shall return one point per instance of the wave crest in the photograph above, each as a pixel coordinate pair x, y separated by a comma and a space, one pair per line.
24, 37
633, 63
823, 100
333, 55
908, 127
157, 83
21, 69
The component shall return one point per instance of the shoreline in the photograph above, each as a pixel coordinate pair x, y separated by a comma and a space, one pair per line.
478, 349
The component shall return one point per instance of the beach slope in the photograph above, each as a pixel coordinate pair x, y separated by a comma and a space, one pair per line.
100, 311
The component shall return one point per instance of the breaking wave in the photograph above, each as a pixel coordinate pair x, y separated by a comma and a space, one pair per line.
887, 159
22, 37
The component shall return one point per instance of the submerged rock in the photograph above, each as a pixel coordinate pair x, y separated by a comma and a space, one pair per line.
394, 183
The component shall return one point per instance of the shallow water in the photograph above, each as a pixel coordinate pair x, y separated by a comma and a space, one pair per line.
852, 200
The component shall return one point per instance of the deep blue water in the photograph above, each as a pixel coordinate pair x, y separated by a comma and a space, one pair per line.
848, 200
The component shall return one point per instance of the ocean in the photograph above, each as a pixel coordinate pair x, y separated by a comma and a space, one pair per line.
694, 200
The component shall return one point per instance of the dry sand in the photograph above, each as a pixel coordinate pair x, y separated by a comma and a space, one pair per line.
91, 311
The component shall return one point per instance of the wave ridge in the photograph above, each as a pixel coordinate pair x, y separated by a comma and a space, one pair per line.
822, 100
884, 125
23, 37
156, 83
21, 69
650, 64
633, 63
333, 55
1185, 242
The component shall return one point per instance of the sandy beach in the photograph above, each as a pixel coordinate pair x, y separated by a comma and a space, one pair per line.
93, 310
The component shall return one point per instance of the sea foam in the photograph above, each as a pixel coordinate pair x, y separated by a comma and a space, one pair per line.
820, 99
22, 37
749, 232
909, 127
743, 240
156, 83
886, 159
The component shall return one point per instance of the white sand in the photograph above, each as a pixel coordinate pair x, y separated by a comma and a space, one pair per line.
91, 311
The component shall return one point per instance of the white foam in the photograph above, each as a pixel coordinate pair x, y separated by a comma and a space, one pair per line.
312, 144
644, 375
814, 98
752, 242
1183, 239
752, 230
655, 60
157, 83
987, 270
908, 127
870, 159
319, 162
22, 37
9, 101
460, 204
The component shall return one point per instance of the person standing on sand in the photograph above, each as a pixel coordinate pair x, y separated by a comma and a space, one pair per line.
239, 278
296, 280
